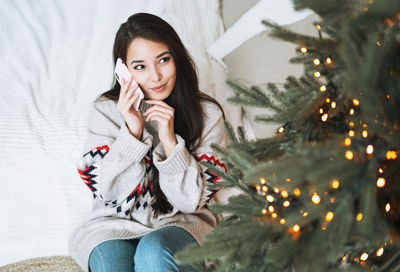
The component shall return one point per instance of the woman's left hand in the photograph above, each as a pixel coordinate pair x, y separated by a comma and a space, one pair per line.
164, 115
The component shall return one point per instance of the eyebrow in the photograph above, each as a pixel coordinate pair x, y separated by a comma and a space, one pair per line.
158, 56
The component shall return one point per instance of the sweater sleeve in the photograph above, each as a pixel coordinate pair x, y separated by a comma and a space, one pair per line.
112, 166
183, 180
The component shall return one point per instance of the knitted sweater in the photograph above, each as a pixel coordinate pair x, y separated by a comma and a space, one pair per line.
118, 169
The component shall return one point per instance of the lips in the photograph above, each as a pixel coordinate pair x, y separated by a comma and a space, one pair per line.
159, 88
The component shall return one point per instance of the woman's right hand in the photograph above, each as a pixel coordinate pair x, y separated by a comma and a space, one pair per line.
133, 118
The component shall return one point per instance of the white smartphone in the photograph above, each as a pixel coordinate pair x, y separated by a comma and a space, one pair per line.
122, 72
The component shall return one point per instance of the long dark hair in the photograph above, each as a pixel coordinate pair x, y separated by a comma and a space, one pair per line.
185, 97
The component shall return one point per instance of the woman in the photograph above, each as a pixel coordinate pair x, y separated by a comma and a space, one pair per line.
150, 191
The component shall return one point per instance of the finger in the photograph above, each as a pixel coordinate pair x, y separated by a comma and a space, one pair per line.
126, 84
159, 102
163, 115
169, 111
133, 99
159, 119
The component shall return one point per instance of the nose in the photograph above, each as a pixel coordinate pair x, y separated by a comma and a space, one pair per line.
155, 74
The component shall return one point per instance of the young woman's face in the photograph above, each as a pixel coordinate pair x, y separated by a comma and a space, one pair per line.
153, 68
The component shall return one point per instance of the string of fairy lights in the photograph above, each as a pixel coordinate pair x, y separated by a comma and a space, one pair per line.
272, 194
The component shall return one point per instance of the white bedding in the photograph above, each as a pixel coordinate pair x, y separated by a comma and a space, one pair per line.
56, 57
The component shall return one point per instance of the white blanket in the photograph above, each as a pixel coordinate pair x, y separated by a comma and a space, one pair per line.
56, 57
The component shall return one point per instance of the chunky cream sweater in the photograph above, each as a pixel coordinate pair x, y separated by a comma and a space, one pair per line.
118, 169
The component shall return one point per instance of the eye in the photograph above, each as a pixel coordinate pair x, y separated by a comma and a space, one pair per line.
164, 60
139, 67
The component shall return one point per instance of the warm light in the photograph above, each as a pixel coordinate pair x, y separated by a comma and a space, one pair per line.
329, 216
379, 252
265, 188
286, 203
305, 214
335, 184
380, 182
356, 102
328, 60
347, 141
352, 133
333, 105
378, 43
349, 155
321, 110
369, 150
351, 111
297, 192
318, 27
282, 221
351, 124
288, 180
274, 215
328, 100
281, 129
284, 193
322, 88
316, 199
317, 61
296, 228
365, 133
387, 207
303, 50
270, 198
262, 180
276, 190
324, 117
364, 256
380, 170
264, 211
317, 74
391, 155
359, 217
258, 187
332, 199
271, 209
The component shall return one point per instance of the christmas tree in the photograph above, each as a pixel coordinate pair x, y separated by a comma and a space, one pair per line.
323, 194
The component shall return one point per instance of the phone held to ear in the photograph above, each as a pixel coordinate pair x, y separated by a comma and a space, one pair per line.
122, 72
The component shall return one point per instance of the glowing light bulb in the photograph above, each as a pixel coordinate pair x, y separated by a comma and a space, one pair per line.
258, 187
387, 207
352, 133
370, 149
328, 100
335, 184
286, 204
356, 102
317, 74
303, 50
333, 104
391, 155
364, 256
324, 117
281, 129
316, 199
379, 252
265, 188
317, 61
349, 155
329, 216
297, 192
322, 88
296, 228
359, 217
381, 182
347, 141
262, 180
274, 215
276, 190
284, 193
270, 198
352, 111
282, 221
365, 133
321, 110
264, 211
328, 60
271, 209
288, 180
318, 27
380, 170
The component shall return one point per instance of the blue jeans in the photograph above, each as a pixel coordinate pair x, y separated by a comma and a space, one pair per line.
152, 252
